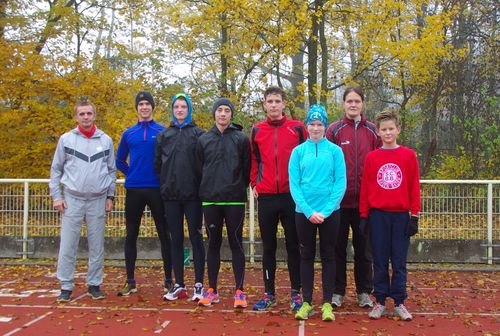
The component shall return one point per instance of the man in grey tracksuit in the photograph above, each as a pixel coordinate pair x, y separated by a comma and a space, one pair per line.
82, 186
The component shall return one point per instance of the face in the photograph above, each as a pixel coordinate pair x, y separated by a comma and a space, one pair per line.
85, 117
274, 105
145, 110
180, 109
223, 116
353, 106
316, 130
388, 132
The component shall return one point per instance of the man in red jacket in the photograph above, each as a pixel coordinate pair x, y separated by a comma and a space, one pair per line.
356, 136
272, 143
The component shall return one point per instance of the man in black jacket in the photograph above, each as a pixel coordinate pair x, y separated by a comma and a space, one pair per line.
175, 160
224, 161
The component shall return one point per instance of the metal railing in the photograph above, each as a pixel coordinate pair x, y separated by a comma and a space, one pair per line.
451, 209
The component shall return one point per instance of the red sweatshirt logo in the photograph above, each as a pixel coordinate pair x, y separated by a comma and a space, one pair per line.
389, 176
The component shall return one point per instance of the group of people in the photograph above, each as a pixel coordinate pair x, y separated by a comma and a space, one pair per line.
313, 179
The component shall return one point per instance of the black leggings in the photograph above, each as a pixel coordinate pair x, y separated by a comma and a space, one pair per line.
272, 209
328, 232
349, 218
174, 214
135, 201
215, 216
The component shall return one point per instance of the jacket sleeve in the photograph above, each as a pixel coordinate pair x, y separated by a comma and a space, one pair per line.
247, 159
364, 206
294, 176
415, 186
254, 164
111, 169
339, 185
122, 154
157, 160
57, 171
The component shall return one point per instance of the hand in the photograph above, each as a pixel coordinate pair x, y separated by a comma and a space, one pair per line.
255, 193
109, 205
60, 205
316, 218
363, 226
412, 226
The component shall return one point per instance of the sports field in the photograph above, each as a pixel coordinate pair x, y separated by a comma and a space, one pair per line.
442, 303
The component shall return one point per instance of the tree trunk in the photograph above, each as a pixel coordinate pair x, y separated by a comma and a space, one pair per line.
297, 77
52, 19
324, 61
223, 88
3, 15
312, 55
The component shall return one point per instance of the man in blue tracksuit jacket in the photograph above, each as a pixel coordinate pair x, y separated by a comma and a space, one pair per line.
142, 186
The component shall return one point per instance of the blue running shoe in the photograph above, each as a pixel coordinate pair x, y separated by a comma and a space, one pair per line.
265, 302
295, 300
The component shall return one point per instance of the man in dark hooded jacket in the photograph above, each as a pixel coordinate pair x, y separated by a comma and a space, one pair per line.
175, 162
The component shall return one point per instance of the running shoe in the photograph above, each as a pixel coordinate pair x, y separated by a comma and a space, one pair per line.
197, 292
327, 312
127, 289
240, 299
337, 300
209, 298
377, 312
65, 296
295, 300
95, 293
177, 292
403, 313
304, 312
364, 300
265, 302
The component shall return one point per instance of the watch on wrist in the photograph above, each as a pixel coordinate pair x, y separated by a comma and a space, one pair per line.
111, 198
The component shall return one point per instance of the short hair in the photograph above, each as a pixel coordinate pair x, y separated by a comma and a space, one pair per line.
85, 103
275, 90
355, 89
386, 115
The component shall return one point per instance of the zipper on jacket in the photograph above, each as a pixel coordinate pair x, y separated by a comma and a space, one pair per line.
276, 159
356, 124
145, 132
316, 144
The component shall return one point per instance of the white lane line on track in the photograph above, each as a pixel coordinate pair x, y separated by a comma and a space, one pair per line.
5, 319
79, 297
28, 324
186, 310
162, 327
149, 285
302, 328
3, 284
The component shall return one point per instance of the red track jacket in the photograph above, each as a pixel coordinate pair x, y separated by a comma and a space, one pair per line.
272, 143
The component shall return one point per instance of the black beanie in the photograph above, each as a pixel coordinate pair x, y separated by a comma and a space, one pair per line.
223, 101
144, 95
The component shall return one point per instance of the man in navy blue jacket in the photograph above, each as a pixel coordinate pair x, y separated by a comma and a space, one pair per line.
142, 186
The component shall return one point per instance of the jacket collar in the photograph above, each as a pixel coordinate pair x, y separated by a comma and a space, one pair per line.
277, 122
351, 122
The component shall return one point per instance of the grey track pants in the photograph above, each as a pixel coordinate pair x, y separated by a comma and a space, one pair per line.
93, 211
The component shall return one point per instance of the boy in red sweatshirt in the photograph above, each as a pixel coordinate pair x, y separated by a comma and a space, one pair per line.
389, 206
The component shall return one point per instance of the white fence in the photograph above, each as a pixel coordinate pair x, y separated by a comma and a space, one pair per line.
451, 209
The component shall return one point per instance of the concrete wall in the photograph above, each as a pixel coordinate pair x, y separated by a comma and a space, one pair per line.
428, 251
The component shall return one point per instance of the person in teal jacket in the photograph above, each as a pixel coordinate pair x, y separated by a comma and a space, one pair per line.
317, 184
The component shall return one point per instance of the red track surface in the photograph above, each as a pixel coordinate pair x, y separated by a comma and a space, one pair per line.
443, 303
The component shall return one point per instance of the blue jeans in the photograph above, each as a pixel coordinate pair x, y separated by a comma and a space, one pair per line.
389, 242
